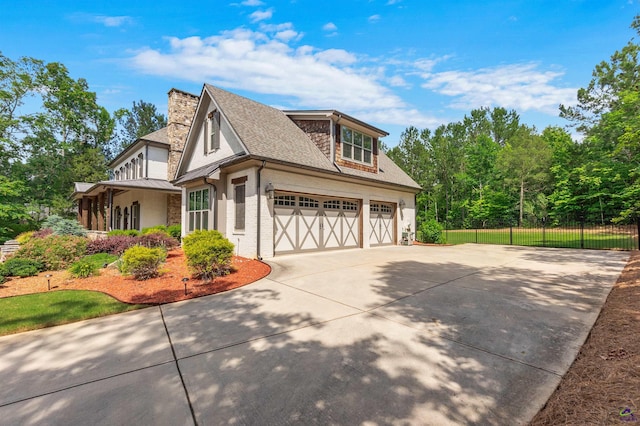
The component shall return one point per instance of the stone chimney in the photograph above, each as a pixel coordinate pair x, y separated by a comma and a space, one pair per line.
181, 109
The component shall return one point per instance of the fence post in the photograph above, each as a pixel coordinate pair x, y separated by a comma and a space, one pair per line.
544, 234
638, 226
477, 234
510, 234
582, 234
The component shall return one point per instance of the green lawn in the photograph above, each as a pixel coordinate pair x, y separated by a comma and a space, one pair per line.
550, 237
33, 311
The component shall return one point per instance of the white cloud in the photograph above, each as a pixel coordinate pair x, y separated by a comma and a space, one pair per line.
329, 26
397, 81
252, 3
261, 15
390, 2
374, 18
265, 63
112, 21
519, 86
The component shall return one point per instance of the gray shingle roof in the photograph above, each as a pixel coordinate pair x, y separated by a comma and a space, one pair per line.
149, 184
160, 136
269, 133
204, 171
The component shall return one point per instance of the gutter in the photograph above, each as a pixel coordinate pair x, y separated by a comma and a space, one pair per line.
264, 163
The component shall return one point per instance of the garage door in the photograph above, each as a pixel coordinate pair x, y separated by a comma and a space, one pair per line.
382, 223
307, 222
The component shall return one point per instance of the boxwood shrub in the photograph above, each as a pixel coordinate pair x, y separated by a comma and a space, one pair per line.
208, 254
17, 267
142, 262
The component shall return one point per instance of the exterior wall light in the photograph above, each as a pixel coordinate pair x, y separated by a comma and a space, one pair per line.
270, 190
402, 204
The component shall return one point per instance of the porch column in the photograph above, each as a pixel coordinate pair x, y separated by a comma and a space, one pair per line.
94, 213
86, 205
79, 200
101, 211
108, 207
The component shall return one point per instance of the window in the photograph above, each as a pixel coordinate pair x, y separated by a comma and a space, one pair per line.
125, 224
356, 146
117, 175
127, 169
134, 169
140, 161
135, 216
117, 213
214, 131
122, 176
349, 205
239, 198
198, 209
285, 200
308, 202
331, 205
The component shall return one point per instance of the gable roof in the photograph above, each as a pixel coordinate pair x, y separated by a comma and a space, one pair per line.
269, 134
85, 188
159, 138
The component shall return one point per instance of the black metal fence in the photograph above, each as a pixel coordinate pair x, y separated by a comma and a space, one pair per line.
576, 235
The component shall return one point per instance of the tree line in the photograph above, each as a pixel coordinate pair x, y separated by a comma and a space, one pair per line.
489, 169
53, 133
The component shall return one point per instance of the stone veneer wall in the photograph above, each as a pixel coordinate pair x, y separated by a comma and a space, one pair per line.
320, 133
181, 109
174, 209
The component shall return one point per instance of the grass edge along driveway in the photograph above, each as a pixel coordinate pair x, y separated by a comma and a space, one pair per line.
41, 310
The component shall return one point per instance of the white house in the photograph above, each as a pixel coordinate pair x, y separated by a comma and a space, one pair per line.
139, 193
276, 182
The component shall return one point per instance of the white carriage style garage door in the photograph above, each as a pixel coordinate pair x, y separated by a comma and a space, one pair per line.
382, 224
308, 222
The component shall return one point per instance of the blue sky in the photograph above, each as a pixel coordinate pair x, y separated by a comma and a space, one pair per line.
392, 63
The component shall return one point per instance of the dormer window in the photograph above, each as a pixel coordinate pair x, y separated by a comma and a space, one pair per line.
214, 131
356, 146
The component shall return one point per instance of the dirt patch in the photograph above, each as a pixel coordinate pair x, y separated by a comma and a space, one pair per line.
603, 384
167, 288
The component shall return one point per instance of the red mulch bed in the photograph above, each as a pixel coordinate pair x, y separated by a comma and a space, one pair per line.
166, 288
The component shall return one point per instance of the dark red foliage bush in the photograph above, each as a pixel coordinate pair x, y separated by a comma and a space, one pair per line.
115, 245
160, 239
44, 232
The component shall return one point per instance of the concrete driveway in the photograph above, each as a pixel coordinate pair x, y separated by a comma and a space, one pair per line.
468, 334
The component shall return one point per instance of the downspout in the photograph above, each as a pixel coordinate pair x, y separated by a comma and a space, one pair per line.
259, 205
215, 203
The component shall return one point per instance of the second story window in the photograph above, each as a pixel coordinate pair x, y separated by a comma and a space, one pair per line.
356, 146
140, 167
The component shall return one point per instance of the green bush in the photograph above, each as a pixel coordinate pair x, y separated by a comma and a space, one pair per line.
17, 267
208, 254
123, 232
62, 226
431, 232
154, 229
54, 251
142, 262
24, 237
175, 231
100, 259
83, 268
2, 279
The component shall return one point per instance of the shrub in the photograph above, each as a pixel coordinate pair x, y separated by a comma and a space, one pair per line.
115, 245
24, 237
54, 252
62, 226
431, 232
158, 239
175, 231
83, 268
123, 232
17, 267
100, 259
142, 262
44, 232
208, 254
2, 279
154, 229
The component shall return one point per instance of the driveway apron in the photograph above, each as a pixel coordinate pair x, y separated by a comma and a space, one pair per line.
469, 334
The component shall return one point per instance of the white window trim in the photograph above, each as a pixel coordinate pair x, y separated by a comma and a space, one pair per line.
353, 146
198, 211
